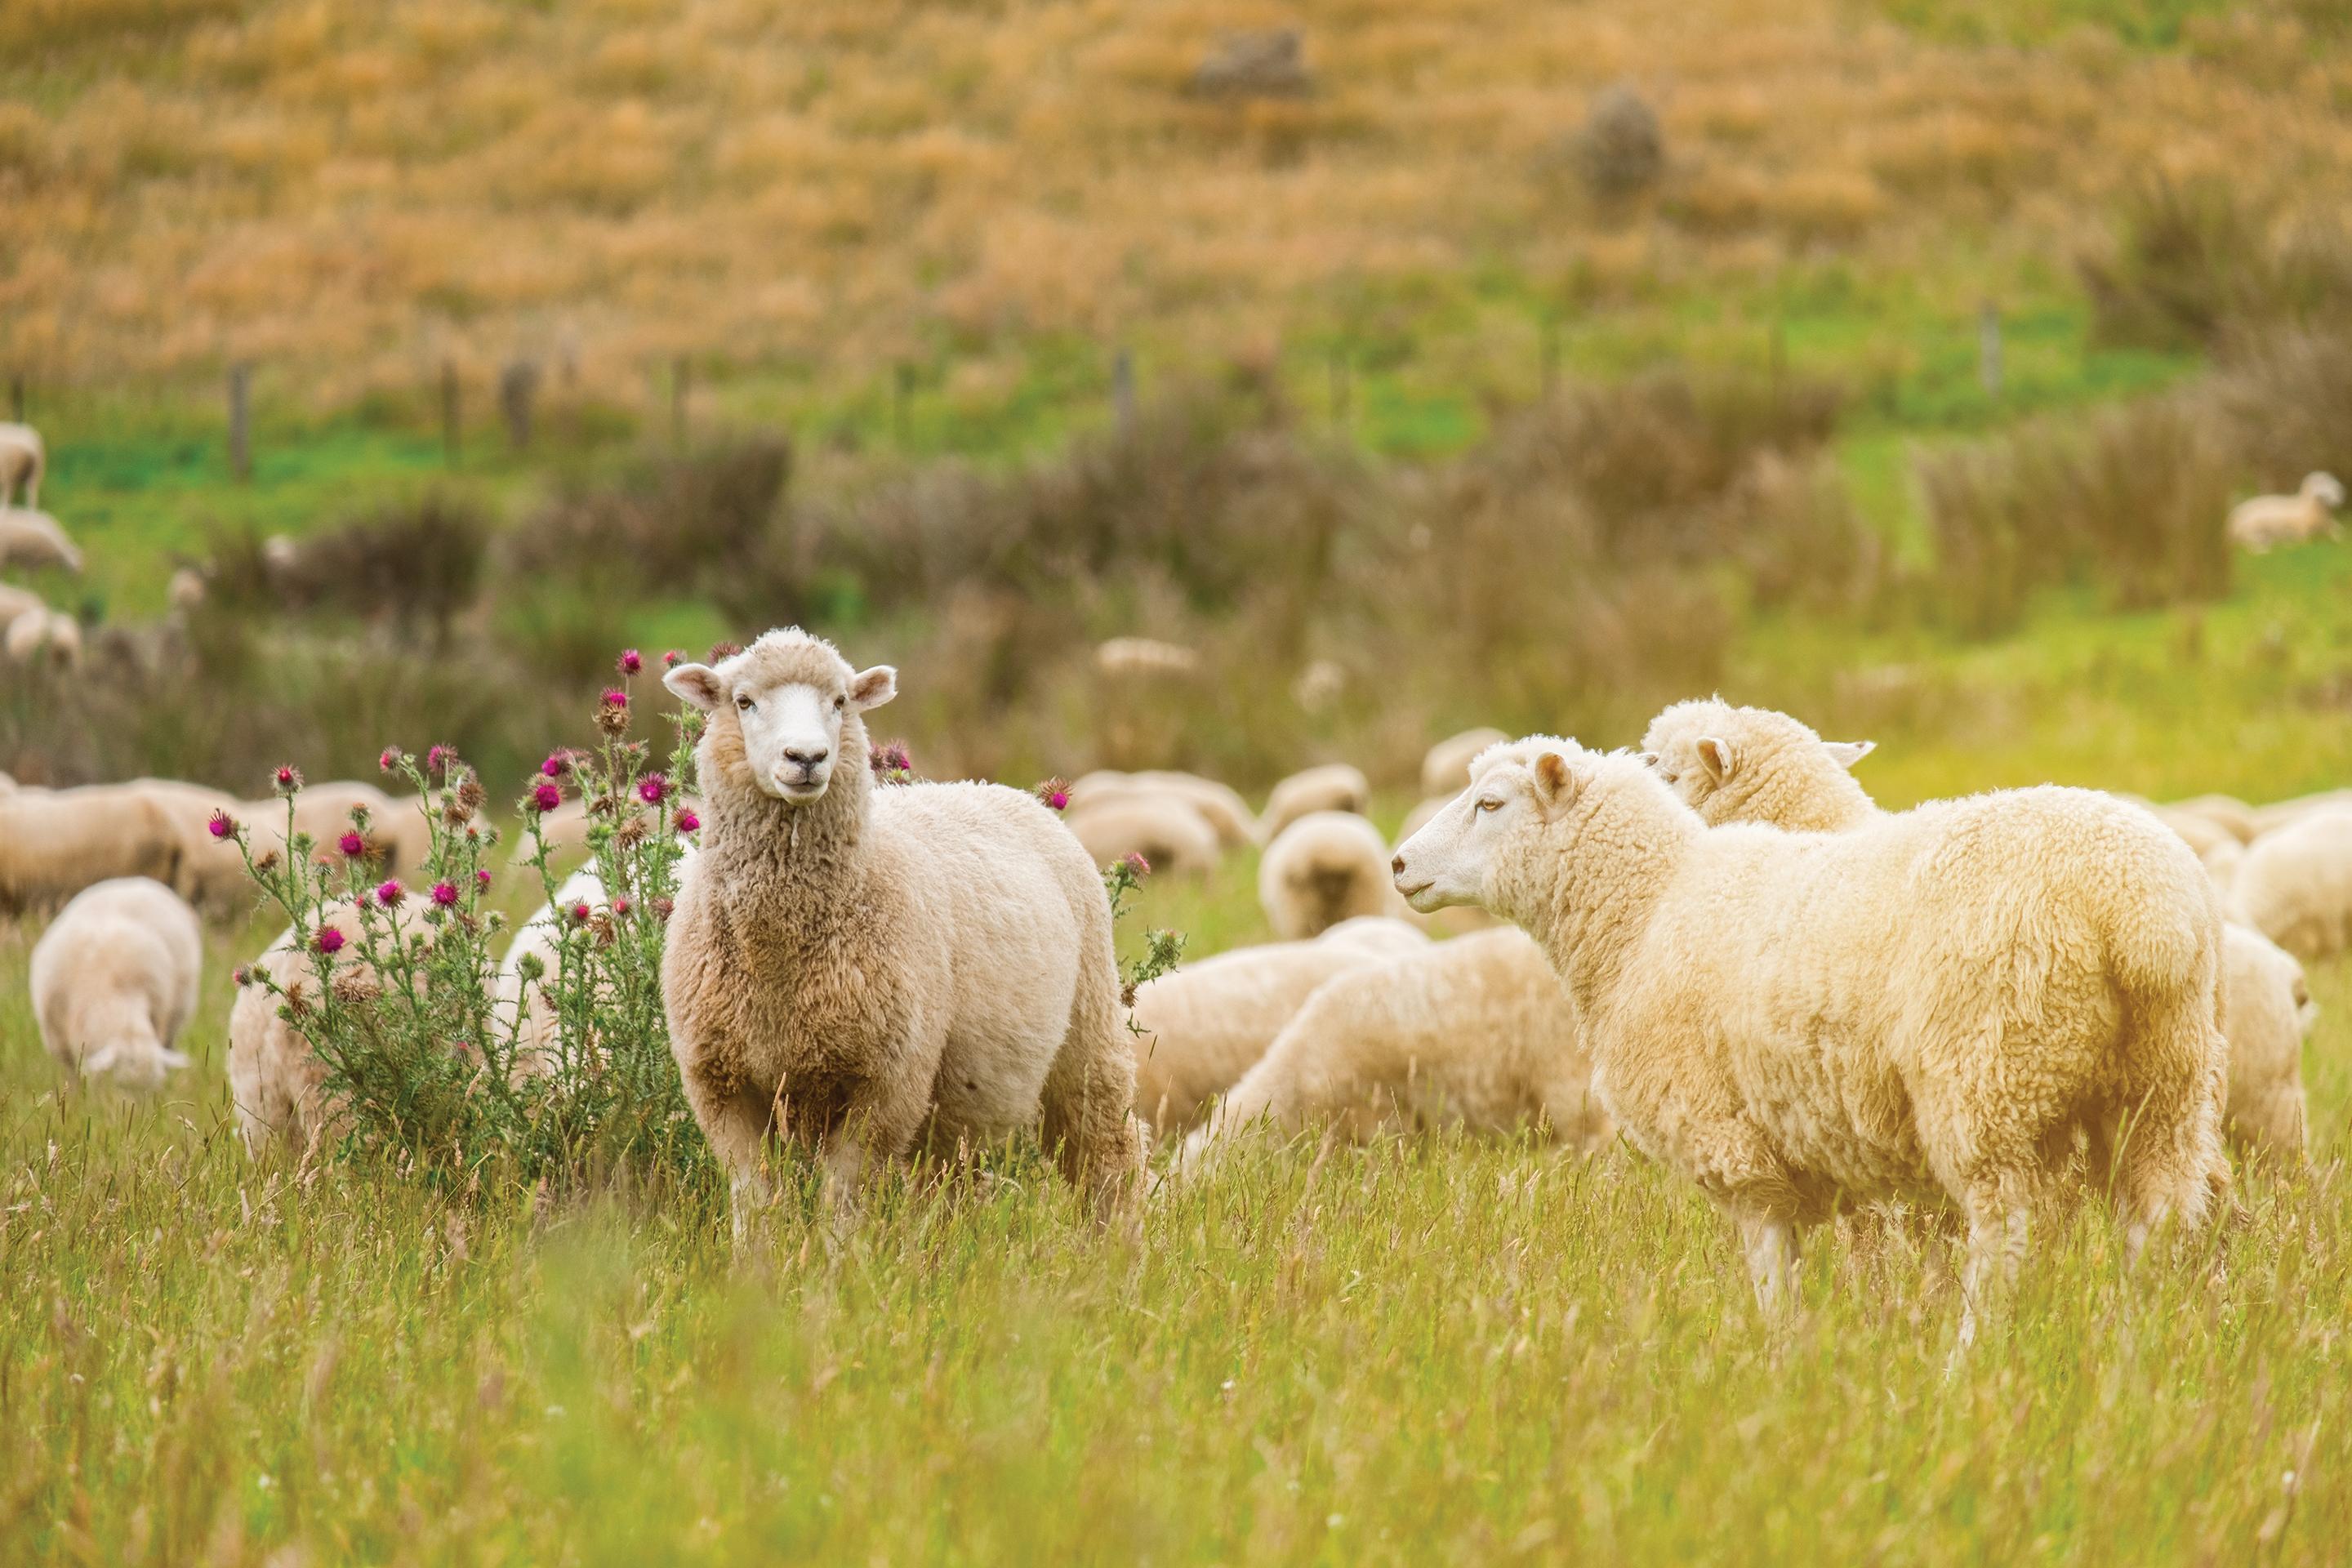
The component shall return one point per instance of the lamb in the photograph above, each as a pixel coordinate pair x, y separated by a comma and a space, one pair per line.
42, 633
2267, 521
33, 539
1335, 787
2295, 884
1164, 829
1935, 1002
16, 602
1223, 808
871, 970
1776, 765
1207, 1024
1325, 868
1476, 1032
113, 982
276, 1082
22, 461
1446, 768
55, 843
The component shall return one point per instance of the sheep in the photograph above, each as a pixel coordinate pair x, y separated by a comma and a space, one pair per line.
1164, 829
113, 982
1445, 769
1323, 868
1335, 787
874, 971
16, 602
1203, 1025
1144, 656
2266, 520
33, 539
1476, 1033
22, 461
525, 1002
1935, 1002
55, 843
2269, 1011
2279, 813
2295, 884
212, 874
38, 633
276, 1082
1223, 809
1777, 768
2226, 812
2199, 832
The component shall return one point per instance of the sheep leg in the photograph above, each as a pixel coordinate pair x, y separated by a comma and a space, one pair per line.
1772, 1246
736, 1118
1089, 1120
1998, 1228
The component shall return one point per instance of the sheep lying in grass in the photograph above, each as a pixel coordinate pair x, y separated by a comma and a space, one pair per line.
2295, 884
276, 1080
22, 461
1932, 1003
1207, 1024
33, 539
1170, 834
113, 981
42, 636
1218, 805
1476, 1032
1325, 868
877, 971
1445, 766
1335, 787
55, 843
1751, 764
2267, 521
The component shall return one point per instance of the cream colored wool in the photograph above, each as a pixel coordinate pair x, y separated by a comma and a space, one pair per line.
43, 637
1783, 765
523, 1005
212, 874
2266, 520
1476, 1032
1219, 804
2281, 813
1934, 1003
872, 969
22, 461
2269, 1011
1445, 767
113, 981
1165, 829
2296, 885
55, 843
276, 1081
2226, 812
1334, 787
32, 538
1208, 1023
1325, 868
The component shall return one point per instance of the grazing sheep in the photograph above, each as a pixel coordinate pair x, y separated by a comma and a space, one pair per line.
33, 539
1446, 768
1325, 868
55, 843
1476, 1032
1207, 1024
114, 980
1164, 829
2226, 812
2279, 813
1223, 808
2199, 832
876, 971
186, 589
37, 633
2296, 885
16, 602
22, 461
2269, 1010
2223, 862
2267, 521
1935, 1002
1778, 765
276, 1080
1335, 787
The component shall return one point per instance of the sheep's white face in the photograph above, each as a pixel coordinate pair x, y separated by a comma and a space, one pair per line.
792, 728
136, 1065
1446, 862
2325, 489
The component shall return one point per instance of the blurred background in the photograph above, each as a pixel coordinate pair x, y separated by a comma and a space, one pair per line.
1201, 384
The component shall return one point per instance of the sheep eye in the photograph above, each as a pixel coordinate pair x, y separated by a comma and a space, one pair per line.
744, 703
839, 703
1490, 805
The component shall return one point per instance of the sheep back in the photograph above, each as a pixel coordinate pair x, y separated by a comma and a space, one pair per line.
116, 974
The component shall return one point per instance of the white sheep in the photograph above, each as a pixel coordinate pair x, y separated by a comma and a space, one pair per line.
1474, 1033
2278, 813
1144, 656
211, 873
1445, 767
522, 1004
1770, 766
1325, 868
44, 635
1932, 1003
2295, 884
113, 981
2226, 812
22, 461
1333, 787
1222, 806
55, 843
873, 970
1164, 829
33, 539
1205, 1025
16, 602
277, 1080
2266, 520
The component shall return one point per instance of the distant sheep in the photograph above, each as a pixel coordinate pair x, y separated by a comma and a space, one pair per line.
1325, 868
22, 461
43, 636
2267, 521
523, 1003
113, 982
1144, 656
55, 843
33, 539
1223, 807
277, 1080
2269, 1012
2296, 885
1207, 1024
1445, 769
1335, 787
1164, 829
2226, 812
2278, 813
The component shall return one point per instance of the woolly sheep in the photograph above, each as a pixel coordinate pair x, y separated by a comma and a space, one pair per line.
1144, 656
1204, 1025
16, 602
1476, 1032
55, 843
2295, 884
2226, 812
212, 874
1324, 868
33, 539
1222, 806
42, 633
1445, 767
1779, 766
873, 970
1935, 1002
526, 1003
113, 981
2267, 521
1164, 829
2268, 1012
22, 461
276, 1080
2280, 813
1335, 787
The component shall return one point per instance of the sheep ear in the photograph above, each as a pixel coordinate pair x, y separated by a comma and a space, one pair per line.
1554, 781
697, 684
1845, 754
1718, 758
872, 687
173, 1060
102, 1059
1647, 758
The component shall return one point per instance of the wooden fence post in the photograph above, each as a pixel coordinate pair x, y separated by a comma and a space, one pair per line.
240, 421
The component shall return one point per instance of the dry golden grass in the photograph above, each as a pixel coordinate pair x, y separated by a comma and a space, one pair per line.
361, 188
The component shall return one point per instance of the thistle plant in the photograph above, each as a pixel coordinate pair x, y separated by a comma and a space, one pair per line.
1162, 949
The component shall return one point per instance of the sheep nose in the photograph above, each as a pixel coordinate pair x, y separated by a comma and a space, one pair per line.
807, 759
1396, 867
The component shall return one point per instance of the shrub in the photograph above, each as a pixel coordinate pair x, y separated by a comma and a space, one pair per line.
1621, 151
2289, 401
413, 566
1982, 520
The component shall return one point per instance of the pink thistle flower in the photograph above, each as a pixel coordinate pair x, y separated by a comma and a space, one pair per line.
671, 659
720, 651
1055, 794
439, 757
580, 913
557, 764
546, 797
613, 699
687, 822
653, 789
353, 845
329, 942
620, 906
390, 893
242, 975
222, 824
631, 661
481, 879
1136, 860
390, 759
287, 779
445, 893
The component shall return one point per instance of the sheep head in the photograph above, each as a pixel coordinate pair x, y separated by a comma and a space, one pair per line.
1699, 748
1515, 790
779, 712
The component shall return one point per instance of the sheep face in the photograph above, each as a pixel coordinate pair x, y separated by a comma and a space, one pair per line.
1697, 748
2325, 489
787, 699
127, 1051
1516, 790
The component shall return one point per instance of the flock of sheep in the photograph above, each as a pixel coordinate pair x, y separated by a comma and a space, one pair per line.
1720, 949
29, 629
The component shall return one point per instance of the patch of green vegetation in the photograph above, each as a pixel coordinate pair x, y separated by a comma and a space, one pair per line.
2144, 24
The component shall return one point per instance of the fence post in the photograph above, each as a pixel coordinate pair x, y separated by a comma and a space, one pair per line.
240, 412
1989, 349
518, 384
450, 433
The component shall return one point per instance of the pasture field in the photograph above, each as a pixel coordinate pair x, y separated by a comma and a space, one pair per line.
1425, 1350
